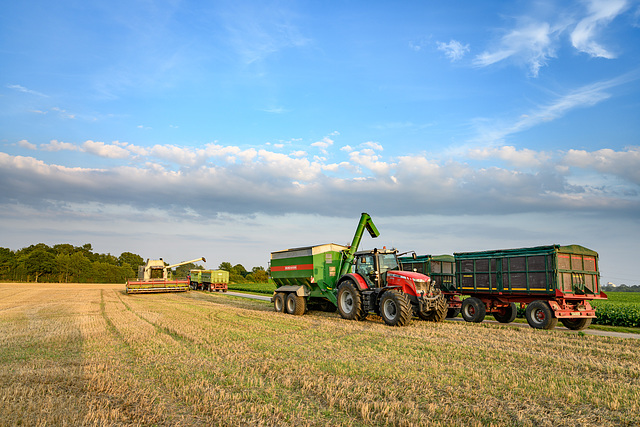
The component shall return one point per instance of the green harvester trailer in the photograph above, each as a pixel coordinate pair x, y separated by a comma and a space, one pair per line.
310, 272
554, 282
209, 280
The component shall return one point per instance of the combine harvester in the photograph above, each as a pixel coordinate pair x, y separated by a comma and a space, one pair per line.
155, 277
356, 282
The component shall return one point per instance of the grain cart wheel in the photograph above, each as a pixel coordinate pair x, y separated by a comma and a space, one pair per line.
350, 302
473, 310
438, 314
506, 314
540, 316
395, 308
452, 312
576, 324
295, 305
278, 301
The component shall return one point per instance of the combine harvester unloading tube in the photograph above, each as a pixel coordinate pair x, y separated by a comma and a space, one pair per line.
155, 277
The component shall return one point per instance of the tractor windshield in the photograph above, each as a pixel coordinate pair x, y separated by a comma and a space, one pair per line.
387, 262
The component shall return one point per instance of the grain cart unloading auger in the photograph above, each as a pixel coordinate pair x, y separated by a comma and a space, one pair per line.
357, 283
154, 277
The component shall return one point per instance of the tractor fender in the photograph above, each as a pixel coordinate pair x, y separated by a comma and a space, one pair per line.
356, 278
299, 290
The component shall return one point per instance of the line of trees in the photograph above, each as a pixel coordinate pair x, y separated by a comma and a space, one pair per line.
65, 263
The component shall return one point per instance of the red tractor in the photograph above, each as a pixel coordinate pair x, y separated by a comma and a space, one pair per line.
377, 285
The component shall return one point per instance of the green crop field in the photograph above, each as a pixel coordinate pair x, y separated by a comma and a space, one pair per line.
257, 288
620, 309
93, 355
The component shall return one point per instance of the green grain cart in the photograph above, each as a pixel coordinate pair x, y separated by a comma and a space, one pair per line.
357, 283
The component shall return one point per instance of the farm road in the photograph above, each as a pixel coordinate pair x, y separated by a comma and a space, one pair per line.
521, 325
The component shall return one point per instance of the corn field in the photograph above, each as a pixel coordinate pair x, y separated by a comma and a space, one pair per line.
93, 355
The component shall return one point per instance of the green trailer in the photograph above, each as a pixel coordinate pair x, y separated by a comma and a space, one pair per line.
308, 273
554, 283
209, 280
441, 269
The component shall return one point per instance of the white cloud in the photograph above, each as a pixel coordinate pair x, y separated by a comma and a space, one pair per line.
524, 158
325, 143
26, 144
55, 145
454, 50
600, 14
532, 43
25, 90
105, 150
584, 96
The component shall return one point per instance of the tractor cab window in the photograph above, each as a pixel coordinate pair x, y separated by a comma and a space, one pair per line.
366, 268
387, 262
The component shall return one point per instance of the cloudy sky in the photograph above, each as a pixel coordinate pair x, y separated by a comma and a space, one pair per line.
181, 129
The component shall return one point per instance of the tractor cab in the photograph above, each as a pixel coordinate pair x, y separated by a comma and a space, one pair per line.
374, 265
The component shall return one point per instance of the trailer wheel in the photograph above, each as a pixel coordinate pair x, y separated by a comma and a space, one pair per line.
295, 305
395, 308
278, 301
576, 324
438, 314
540, 316
452, 312
506, 314
473, 310
350, 302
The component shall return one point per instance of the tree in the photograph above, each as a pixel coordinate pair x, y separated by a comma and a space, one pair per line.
39, 262
258, 275
226, 266
80, 267
130, 258
8, 263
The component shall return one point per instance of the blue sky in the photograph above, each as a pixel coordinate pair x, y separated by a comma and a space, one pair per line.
179, 129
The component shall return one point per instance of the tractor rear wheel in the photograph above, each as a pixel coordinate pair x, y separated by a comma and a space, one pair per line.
395, 308
473, 310
278, 302
540, 316
506, 314
295, 304
576, 324
350, 302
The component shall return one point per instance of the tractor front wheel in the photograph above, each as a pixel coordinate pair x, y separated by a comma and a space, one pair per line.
438, 314
350, 302
395, 308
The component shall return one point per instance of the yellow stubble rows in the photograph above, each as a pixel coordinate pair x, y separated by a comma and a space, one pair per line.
94, 355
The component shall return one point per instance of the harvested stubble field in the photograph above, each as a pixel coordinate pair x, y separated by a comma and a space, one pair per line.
90, 354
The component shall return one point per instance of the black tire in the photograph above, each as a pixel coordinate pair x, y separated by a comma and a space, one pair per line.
452, 312
507, 314
278, 301
350, 302
438, 314
540, 316
295, 305
395, 308
473, 310
576, 324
